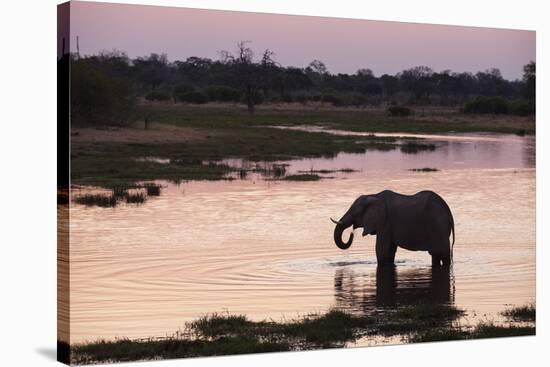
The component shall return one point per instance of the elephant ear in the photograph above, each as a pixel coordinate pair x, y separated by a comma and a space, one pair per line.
374, 216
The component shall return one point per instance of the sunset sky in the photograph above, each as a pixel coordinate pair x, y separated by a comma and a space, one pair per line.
344, 45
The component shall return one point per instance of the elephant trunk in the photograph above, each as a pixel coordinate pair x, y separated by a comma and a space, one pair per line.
338, 231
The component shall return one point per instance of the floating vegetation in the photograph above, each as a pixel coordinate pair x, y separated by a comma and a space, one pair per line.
425, 169
135, 198
101, 200
303, 177
120, 192
152, 189
327, 171
412, 147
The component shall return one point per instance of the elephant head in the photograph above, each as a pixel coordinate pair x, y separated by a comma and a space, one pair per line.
367, 211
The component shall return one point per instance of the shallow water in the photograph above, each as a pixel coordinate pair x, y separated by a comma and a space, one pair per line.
264, 248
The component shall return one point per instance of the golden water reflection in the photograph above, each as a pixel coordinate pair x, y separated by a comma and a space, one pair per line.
264, 249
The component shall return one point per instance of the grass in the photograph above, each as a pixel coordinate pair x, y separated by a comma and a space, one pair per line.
521, 313
120, 193
303, 177
135, 198
413, 147
152, 189
480, 331
425, 169
227, 116
223, 334
220, 334
101, 200
327, 171
128, 350
226, 334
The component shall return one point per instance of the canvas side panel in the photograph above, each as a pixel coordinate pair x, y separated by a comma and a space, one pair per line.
63, 182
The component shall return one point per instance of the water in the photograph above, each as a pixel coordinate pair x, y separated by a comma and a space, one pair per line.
264, 248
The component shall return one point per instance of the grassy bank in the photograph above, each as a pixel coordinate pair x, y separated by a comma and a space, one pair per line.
189, 138
111, 163
352, 119
224, 334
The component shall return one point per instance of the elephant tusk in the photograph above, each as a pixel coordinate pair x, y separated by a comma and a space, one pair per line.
335, 221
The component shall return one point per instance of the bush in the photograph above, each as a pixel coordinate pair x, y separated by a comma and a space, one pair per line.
522, 108
187, 93
257, 98
157, 95
223, 94
335, 100
400, 111
484, 105
195, 97
358, 100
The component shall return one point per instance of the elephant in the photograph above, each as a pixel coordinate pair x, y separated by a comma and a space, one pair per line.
419, 222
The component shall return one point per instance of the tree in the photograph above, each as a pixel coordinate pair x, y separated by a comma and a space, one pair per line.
247, 73
152, 70
529, 78
417, 80
318, 67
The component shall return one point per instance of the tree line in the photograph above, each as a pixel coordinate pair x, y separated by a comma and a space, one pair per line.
106, 86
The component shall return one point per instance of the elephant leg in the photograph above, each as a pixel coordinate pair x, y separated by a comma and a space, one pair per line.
436, 260
393, 250
446, 260
385, 254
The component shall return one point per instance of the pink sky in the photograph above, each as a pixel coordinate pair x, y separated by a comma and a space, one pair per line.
344, 45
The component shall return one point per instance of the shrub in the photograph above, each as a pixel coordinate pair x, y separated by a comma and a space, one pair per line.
187, 93
223, 94
181, 90
333, 99
257, 97
522, 108
358, 100
400, 111
195, 97
484, 105
157, 95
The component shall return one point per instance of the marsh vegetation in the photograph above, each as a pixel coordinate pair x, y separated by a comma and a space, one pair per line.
226, 334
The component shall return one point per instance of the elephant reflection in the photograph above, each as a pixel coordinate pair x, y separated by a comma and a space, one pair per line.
356, 292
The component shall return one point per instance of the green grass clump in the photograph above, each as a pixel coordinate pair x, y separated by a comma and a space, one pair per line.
425, 169
327, 171
481, 331
303, 177
128, 350
219, 324
333, 327
152, 189
135, 198
101, 200
413, 147
522, 313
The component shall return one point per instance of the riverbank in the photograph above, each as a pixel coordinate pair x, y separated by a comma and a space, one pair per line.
181, 141
224, 334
